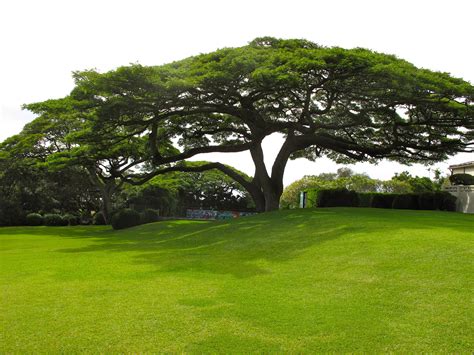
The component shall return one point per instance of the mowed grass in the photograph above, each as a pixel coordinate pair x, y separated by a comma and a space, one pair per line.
338, 280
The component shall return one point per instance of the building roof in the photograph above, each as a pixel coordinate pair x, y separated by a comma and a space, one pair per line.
463, 165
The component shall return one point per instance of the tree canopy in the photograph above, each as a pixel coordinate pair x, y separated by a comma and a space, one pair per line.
346, 104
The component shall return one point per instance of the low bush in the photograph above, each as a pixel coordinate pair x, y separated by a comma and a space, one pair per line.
11, 214
440, 200
84, 218
462, 179
72, 219
149, 216
427, 201
331, 198
125, 218
311, 195
446, 201
380, 200
405, 202
365, 199
98, 219
54, 219
34, 219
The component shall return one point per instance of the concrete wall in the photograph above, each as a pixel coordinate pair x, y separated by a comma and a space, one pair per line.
465, 196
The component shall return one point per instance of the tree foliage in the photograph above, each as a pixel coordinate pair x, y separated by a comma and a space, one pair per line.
62, 137
175, 192
28, 186
346, 104
417, 184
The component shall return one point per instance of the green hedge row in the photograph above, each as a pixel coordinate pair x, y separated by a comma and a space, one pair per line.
52, 219
128, 217
331, 198
441, 200
124, 218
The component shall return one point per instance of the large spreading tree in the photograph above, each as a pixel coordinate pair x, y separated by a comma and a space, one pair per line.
346, 104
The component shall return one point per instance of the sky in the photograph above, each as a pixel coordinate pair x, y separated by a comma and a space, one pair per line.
43, 42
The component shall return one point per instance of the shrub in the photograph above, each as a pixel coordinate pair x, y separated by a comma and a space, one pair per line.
365, 199
98, 219
382, 200
336, 198
71, 219
11, 214
405, 202
34, 219
54, 219
311, 196
427, 201
440, 200
84, 218
462, 179
125, 218
445, 201
149, 216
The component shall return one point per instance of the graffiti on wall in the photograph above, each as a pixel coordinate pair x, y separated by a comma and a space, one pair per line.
210, 214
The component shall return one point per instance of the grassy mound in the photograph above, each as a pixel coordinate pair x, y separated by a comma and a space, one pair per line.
338, 280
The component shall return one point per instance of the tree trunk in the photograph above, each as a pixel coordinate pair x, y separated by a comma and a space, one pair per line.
270, 191
107, 205
257, 196
107, 189
272, 186
272, 202
252, 187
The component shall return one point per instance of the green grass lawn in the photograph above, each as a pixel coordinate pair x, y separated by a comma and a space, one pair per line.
341, 279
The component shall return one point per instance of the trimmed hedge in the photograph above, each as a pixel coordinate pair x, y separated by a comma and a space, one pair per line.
72, 220
405, 202
149, 216
54, 219
382, 200
441, 200
448, 201
125, 218
11, 213
332, 198
427, 201
337, 197
34, 219
98, 219
311, 196
365, 199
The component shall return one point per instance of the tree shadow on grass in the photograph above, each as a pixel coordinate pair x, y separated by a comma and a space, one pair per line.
239, 247
69, 231
223, 247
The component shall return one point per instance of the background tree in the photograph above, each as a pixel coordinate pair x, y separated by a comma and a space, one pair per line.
27, 185
174, 192
417, 184
66, 140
